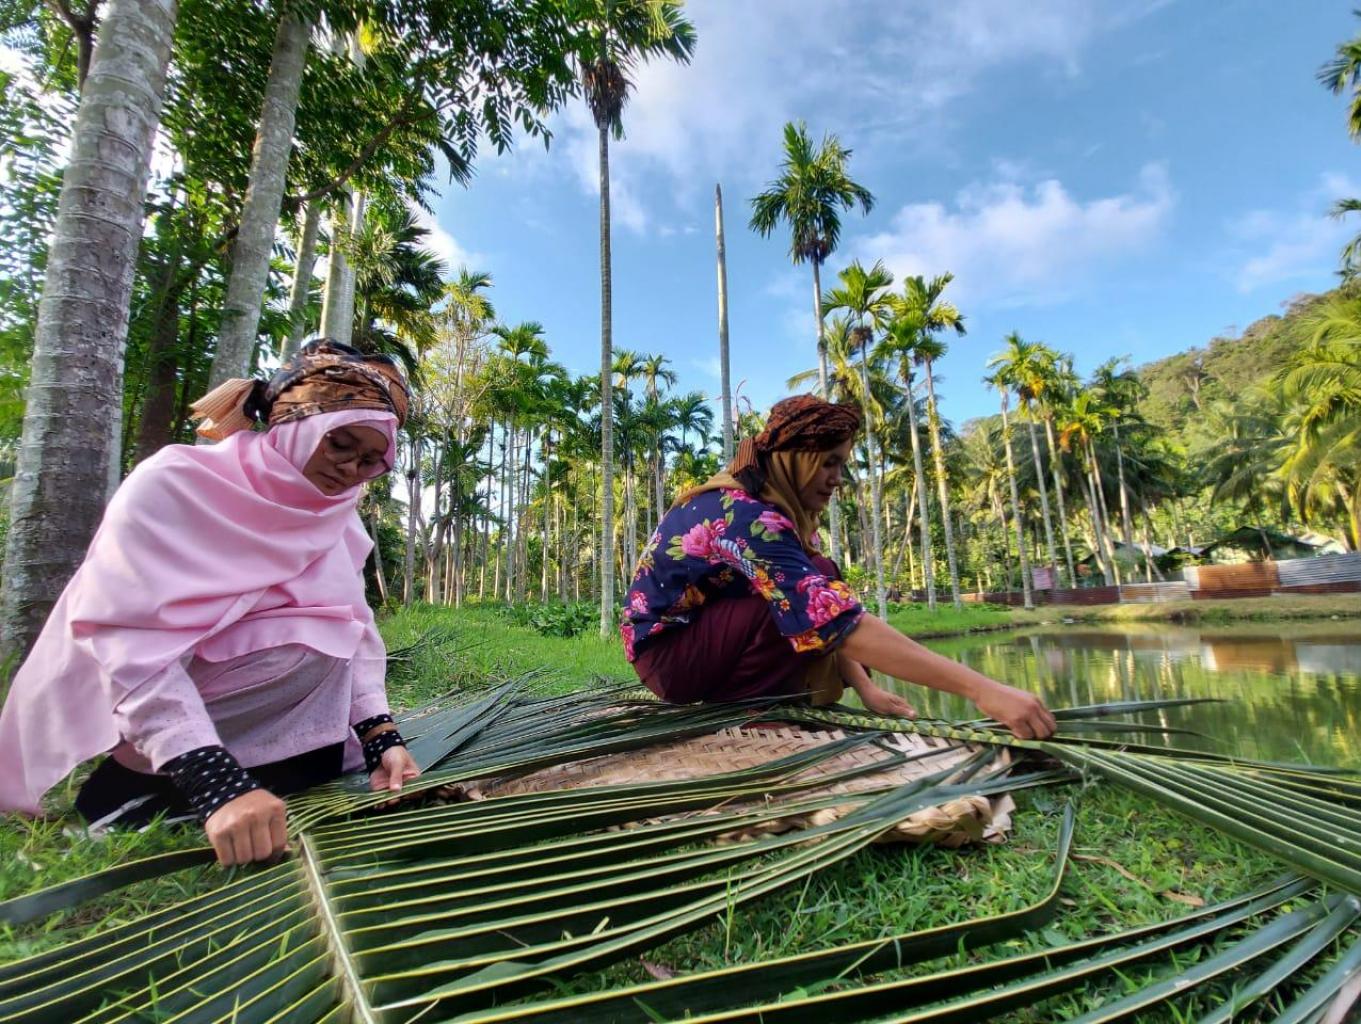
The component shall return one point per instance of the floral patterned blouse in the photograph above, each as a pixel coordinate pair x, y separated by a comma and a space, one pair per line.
727, 543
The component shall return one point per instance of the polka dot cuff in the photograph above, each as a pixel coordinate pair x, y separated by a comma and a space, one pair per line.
380, 744
362, 729
209, 777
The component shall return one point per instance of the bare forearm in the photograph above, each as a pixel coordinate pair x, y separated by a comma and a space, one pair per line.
877, 644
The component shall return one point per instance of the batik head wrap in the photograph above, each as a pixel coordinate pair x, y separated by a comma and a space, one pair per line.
778, 463
325, 376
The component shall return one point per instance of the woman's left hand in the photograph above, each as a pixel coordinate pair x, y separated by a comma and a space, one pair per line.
879, 701
397, 767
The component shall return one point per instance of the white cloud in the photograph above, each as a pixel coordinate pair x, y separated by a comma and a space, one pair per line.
711, 367
1009, 244
443, 244
890, 68
1276, 246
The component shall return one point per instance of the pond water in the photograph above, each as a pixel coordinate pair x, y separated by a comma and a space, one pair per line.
1286, 691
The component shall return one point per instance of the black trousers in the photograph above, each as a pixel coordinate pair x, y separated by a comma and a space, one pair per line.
116, 796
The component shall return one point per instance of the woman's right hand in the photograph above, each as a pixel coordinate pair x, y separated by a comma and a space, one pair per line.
1022, 712
249, 828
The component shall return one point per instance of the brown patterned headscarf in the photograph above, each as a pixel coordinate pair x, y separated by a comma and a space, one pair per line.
777, 463
325, 376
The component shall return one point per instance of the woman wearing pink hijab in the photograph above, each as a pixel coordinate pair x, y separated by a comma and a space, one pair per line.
216, 641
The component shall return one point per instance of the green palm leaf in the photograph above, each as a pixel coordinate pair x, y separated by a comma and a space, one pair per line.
440, 911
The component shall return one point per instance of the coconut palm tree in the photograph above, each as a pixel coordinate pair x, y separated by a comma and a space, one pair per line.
864, 296
1080, 424
1121, 391
1027, 368
1322, 390
923, 305
617, 36
1339, 75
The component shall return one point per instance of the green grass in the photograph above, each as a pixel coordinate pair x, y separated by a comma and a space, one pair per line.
882, 891
917, 620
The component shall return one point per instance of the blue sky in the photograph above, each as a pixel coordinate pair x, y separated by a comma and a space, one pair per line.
1109, 177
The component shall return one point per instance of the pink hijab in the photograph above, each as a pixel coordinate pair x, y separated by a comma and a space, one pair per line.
214, 551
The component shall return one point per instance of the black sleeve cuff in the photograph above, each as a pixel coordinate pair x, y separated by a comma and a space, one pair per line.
380, 744
371, 723
209, 777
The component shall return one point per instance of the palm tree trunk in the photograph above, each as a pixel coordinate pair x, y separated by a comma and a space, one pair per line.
928, 570
302, 280
1056, 467
264, 195
1125, 519
68, 452
723, 366
1026, 593
905, 549
337, 304
1044, 489
378, 557
876, 500
512, 528
1001, 513
606, 398
942, 486
413, 507
835, 510
1099, 520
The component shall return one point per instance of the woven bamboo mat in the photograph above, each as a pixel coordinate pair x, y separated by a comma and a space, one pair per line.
966, 820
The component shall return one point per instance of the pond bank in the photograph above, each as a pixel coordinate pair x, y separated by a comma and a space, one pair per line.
918, 621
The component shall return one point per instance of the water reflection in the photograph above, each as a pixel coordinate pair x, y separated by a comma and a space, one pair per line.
1291, 692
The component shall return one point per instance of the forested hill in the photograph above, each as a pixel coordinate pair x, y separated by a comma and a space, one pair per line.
1227, 370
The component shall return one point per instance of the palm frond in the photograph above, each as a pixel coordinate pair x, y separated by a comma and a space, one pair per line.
444, 909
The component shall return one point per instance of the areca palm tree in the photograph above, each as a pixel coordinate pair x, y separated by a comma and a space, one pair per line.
654, 370
903, 335
526, 353
846, 384
1004, 390
812, 189
1027, 367
617, 36
628, 367
809, 195
923, 306
864, 296
693, 415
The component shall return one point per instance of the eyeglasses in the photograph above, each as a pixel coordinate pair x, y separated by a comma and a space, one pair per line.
341, 450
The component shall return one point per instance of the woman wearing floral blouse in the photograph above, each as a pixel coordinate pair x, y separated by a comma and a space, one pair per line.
732, 598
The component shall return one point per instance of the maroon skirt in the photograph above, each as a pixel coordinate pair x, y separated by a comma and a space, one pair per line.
731, 650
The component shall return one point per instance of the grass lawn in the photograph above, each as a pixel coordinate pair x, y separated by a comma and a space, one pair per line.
1136, 863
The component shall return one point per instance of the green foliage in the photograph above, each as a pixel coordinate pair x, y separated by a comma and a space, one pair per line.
572, 619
